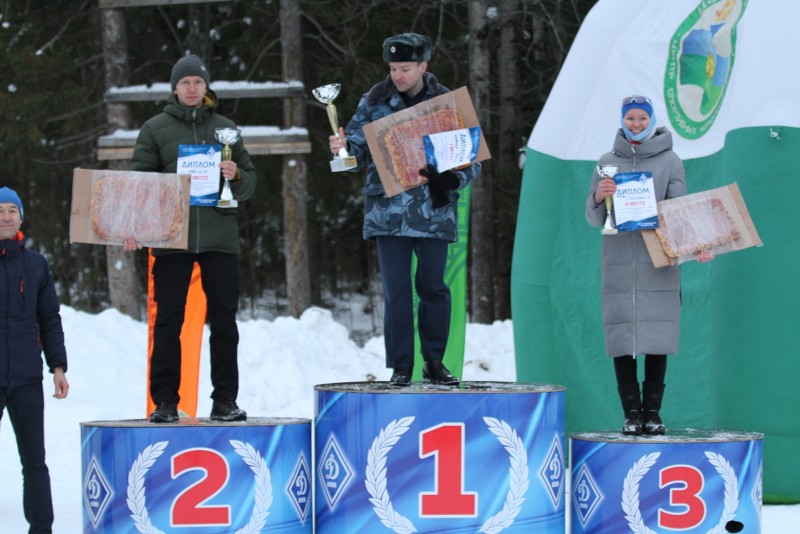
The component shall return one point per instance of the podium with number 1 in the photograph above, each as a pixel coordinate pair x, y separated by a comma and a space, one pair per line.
486, 457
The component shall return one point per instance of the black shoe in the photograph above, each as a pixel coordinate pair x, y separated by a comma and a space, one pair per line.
165, 412
436, 372
401, 377
227, 410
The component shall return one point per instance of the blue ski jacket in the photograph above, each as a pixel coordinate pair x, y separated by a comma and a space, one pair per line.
29, 316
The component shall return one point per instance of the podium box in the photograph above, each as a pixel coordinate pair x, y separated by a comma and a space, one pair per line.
197, 475
684, 481
485, 457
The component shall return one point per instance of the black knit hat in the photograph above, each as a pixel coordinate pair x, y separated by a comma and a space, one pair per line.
407, 47
188, 66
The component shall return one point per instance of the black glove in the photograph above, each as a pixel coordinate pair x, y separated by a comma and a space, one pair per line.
440, 184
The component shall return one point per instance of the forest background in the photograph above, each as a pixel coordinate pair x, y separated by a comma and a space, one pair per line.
57, 64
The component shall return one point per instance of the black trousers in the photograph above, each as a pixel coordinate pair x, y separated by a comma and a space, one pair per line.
220, 279
433, 312
25, 406
655, 368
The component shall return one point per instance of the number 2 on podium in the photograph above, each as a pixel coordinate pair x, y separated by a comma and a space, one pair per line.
189, 508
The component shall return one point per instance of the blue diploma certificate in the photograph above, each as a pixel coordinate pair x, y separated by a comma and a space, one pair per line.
635, 201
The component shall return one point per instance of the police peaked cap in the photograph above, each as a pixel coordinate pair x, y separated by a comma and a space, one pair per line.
407, 47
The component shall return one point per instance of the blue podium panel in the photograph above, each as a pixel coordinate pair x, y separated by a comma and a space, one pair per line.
197, 476
485, 457
708, 482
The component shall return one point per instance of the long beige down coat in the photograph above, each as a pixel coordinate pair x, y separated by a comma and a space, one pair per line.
641, 304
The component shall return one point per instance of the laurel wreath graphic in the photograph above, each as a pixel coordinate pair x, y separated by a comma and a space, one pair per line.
725, 470
517, 474
376, 480
376, 476
136, 501
136, 497
263, 486
630, 492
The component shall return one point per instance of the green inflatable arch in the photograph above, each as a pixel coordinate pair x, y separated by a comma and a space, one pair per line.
738, 366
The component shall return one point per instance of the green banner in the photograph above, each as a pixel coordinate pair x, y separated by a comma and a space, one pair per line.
737, 365
456, 278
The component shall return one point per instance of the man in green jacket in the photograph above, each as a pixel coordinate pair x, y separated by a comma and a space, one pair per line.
189, 118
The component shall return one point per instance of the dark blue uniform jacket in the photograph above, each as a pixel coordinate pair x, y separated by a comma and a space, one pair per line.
29, 316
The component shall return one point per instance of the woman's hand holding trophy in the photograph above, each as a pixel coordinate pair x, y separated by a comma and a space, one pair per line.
606, 188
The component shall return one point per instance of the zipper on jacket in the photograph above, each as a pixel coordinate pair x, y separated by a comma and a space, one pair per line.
197, 226
633, 256
22, 291
197, 231
633, 296
5, 319
7, 278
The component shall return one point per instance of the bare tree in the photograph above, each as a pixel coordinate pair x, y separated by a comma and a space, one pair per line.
482, 216
508, 143
125, 294
295, 226
54, 113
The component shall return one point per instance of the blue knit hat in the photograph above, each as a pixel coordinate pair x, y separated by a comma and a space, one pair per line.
638, 102
9, 196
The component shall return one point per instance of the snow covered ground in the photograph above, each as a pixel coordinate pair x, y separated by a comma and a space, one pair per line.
280, 362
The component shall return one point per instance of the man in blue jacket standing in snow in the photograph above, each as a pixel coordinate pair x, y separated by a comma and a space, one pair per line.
29, 322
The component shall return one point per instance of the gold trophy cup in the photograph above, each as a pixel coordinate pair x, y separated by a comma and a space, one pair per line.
228, 137
608, 171
327, 94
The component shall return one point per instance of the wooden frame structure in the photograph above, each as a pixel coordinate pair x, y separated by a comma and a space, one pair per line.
260, 140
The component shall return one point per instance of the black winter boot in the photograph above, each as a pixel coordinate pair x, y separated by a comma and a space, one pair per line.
165, 412
652, 394
632, 407
227, 410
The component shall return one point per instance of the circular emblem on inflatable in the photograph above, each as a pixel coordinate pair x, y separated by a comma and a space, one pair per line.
701, 57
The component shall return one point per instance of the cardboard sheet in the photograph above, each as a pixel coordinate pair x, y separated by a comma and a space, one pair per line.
110, 206
391, 172
715, 220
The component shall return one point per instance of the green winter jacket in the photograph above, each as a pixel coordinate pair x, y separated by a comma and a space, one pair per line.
210, 229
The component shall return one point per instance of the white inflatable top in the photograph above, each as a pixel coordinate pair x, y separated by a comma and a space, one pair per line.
747, 73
